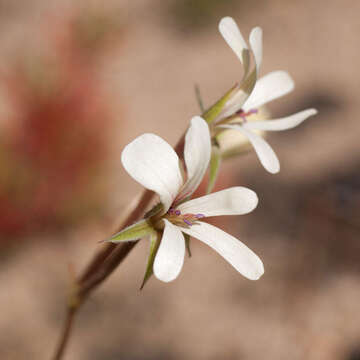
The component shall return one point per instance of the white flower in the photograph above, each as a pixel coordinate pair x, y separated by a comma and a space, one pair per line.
242, 105
232, 35
152, 162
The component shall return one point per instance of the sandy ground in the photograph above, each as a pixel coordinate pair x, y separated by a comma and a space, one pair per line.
306, 304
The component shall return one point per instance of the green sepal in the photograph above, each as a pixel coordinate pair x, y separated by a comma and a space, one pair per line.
246, 87
210, 114
133, 232
214, 167
246, 59
199, 98
249, 83
154, 211
187, 244
154, 245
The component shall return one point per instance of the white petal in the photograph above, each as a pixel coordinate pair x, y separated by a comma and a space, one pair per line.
232, 35
285, 123
255, 40
233, 201
170, 256
197, 154
263, 150
245, 261
248, 85
268, 88
153, 163
231, 32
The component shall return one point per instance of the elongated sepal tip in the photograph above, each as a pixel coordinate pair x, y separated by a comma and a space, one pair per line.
187, 244
214, 167
133, 232
154, 246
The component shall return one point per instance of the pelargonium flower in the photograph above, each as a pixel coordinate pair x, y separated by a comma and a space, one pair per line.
153, 163
244, 102
264, 151
232, 35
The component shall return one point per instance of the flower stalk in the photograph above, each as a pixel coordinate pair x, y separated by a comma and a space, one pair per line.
160, 170
99, 268
103, 263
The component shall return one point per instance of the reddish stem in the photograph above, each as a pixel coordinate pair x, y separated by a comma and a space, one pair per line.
104, 262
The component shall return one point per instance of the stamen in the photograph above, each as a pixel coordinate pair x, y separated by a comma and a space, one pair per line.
175, 216
244, 114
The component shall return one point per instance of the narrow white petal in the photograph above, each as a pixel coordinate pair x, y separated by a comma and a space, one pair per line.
233, 201
232, 35
245, 261
255, 40
153, 163
263, 150
248, 82
268, 88
248, 85
197, 153
170, 256
285, 123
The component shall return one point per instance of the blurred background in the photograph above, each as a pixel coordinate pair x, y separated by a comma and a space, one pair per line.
78, 82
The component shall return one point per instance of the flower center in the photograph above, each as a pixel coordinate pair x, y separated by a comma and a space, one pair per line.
239, 117
175, 216
244, 114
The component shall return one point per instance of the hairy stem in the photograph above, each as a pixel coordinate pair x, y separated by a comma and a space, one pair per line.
104, 262
100, 267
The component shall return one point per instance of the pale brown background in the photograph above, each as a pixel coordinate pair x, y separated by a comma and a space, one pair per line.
306, 228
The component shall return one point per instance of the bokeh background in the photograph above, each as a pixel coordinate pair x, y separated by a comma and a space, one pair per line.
78, 82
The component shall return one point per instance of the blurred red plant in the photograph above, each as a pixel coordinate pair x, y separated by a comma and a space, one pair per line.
55, 157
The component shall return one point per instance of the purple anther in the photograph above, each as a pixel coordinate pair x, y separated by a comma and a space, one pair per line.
199, 216
171, 211
187, 222
177, 212
253, 111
